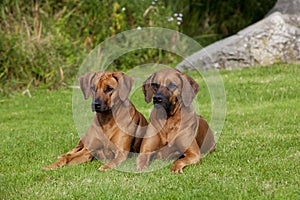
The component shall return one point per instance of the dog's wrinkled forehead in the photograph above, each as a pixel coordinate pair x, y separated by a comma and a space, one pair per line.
104, 78
167, 77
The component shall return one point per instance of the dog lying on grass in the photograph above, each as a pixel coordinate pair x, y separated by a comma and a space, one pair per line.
117, 128
175, 130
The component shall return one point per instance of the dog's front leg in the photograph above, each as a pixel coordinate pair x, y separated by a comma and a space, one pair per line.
143, 161
191, 156
148, 148
120, 157
166, 153
72, 158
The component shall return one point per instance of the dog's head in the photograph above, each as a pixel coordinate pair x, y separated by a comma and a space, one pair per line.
170, 89
107, 88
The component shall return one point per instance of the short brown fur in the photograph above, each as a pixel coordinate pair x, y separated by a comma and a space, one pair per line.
175, 130
112, 134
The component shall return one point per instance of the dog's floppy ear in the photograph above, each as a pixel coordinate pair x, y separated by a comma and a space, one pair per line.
147, 90
85, 83
190, 89
124, 84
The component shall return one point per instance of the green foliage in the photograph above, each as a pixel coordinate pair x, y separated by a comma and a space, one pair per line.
210, 20
34, 51
257, 154
43, 43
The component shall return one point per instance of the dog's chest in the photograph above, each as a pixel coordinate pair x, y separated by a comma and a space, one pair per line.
168, 133
110, 129
108, 126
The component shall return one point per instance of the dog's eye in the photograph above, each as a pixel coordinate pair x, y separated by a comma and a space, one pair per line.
155, 86
172, 86
108, 89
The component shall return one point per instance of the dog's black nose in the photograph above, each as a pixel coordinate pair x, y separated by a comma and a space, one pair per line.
96, 105
158, 98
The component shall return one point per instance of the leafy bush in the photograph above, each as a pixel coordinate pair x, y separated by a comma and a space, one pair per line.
34, 51
43, 43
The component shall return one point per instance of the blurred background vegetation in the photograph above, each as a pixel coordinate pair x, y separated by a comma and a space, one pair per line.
43, 43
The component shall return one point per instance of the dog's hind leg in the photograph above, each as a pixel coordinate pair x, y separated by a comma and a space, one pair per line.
77, 148
71, 158
80, 157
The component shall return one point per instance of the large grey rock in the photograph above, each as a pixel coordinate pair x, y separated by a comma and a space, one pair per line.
291, 7
276, 38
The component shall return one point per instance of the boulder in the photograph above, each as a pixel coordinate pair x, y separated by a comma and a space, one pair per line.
274, 39
290, 7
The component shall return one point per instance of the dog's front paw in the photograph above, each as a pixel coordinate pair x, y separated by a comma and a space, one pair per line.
141, 168
104, 168
142, 163
177, 168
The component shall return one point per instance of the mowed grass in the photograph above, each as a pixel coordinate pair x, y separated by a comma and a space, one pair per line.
257, 155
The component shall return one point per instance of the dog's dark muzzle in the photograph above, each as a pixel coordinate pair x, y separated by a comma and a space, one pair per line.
98, 106
160, 99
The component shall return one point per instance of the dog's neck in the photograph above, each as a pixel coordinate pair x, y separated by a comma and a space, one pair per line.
104, 117
183, 119
159, 114
108, 118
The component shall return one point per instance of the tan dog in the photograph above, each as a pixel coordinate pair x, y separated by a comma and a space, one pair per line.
117, 128
175, 130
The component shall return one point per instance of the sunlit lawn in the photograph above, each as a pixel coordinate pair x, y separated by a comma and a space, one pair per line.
257, 155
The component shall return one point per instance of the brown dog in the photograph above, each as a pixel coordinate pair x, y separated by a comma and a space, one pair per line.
175, 130
117, 128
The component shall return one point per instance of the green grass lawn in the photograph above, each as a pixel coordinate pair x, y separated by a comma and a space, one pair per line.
257, 155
